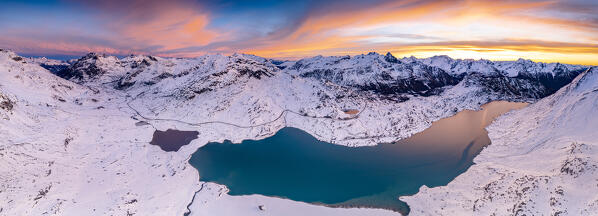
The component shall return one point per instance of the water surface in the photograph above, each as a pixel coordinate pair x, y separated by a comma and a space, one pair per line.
173, 140
295, 165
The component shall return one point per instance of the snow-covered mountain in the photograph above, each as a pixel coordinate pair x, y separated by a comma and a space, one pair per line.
73, 145
148, 70
543, 160
372, 72
389, 75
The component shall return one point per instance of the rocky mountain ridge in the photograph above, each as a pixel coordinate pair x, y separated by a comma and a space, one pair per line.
389, 75
397, 79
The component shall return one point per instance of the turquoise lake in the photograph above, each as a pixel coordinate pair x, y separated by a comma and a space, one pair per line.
294, 165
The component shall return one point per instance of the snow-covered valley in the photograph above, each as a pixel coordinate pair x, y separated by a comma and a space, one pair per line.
542, 160
73, 143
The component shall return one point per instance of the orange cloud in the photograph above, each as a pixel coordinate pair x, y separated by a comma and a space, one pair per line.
171, 25
173, 30
119, 27
476, 24
553, 30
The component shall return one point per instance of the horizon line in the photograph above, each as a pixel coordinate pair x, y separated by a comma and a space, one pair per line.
67, 57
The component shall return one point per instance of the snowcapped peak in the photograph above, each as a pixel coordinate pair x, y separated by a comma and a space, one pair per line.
522, 60
390, 58
586, 81
441, 61
439, 58
235, 55
90, 67
424, 76
136, 61
140, 57
92, 56
251, 65
248, 57
409, 59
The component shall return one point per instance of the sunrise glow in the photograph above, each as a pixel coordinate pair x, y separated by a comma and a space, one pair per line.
548, 31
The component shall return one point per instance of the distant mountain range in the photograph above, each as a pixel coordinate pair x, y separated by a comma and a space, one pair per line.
383, 74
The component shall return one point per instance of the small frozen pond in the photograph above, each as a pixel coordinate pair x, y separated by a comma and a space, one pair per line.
293, 164
173, 140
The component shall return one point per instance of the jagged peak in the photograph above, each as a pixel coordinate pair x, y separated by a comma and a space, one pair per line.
364, 66
140, 57
250, 57
587, 80
441, 57
390, 58
523, 60
409, 59
95, 56
88, 67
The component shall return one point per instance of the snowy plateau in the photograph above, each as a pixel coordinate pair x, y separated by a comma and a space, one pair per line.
74, 136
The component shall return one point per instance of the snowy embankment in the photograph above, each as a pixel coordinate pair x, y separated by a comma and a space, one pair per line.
543, 160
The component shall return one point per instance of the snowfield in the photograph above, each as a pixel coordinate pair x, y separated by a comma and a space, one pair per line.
70, 144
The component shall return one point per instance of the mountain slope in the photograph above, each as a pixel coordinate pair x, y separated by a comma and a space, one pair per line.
543, 159
425, 77
79, 146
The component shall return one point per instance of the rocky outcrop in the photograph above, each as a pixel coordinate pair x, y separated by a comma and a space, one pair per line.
86, 68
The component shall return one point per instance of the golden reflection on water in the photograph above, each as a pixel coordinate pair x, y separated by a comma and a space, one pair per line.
448, 136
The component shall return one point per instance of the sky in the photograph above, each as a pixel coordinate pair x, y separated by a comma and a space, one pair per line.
548, 31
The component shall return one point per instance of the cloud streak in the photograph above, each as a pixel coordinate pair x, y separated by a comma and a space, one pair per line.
553, 30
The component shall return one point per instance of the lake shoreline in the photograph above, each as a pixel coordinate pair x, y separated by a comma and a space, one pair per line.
488, 117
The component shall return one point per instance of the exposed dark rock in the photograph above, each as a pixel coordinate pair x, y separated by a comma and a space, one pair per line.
427, 82
143, 63
202, 90
251, 68
387, 75
127, 80
390, 58
254, 73
121, 85
514, 87
6, 103
164, 76
278, 64
550, 82
84, 68
54, 68
42, 193
56, 97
